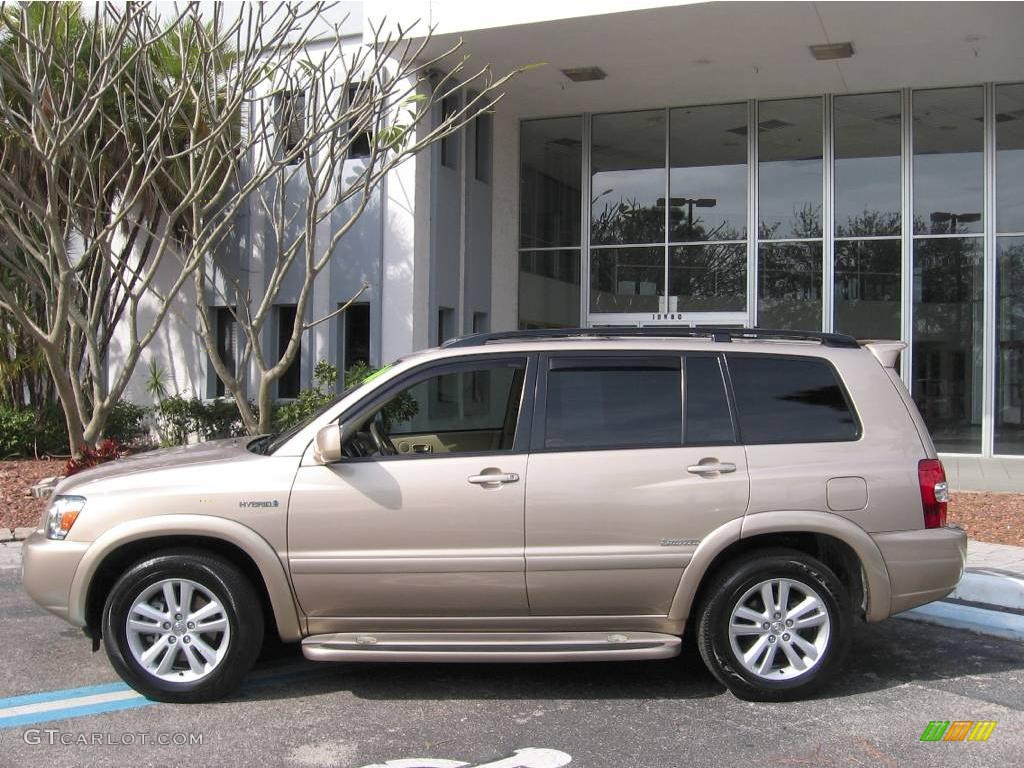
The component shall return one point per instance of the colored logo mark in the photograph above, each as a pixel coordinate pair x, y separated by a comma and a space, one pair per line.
958, 730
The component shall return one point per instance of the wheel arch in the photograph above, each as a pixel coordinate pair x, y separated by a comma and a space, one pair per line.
842, 545
122, 545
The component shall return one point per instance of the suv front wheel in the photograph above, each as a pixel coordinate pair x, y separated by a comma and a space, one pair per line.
774, 627
183, 626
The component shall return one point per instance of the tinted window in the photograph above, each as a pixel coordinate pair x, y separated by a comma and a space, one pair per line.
786, 400
707, 406
595, 403
462, 409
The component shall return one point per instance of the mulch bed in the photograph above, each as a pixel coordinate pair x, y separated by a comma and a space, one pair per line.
994, 517
17, 508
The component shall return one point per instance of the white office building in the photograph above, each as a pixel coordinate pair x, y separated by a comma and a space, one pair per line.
849, 167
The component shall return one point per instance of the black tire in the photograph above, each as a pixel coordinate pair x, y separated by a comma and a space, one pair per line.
241, 607
726, 590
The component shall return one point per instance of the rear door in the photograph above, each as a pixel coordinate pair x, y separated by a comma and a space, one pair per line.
621, 486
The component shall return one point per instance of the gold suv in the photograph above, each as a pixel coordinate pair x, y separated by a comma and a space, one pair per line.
526, 496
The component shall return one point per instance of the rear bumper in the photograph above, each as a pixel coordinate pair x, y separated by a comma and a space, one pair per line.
923, 565
47, 570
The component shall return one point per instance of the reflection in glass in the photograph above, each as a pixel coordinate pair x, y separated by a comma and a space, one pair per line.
551, 163
1010, 158
867, 280
708, 173
1009, 416
789, 154
628, 186
627, 279
549, 289
867, 164
789, 286
948, 340
948, 160
707, 278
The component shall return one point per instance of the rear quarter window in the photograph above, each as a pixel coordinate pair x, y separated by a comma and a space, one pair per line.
790, 400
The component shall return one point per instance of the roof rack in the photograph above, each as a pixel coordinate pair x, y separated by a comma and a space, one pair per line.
654, 332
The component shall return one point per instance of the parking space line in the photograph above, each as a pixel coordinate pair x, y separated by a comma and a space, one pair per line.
32, 708
66, 693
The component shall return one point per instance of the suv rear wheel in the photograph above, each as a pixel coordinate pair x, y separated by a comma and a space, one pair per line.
183, 626
774, 627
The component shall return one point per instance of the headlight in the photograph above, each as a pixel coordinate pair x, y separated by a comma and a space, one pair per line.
61, 515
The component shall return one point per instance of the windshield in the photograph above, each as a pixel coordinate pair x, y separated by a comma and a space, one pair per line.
270, 443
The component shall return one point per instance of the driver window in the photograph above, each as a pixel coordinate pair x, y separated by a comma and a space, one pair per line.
465, 409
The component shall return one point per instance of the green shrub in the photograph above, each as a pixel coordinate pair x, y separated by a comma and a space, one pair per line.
126, 424
175, 420
218, 418
17, 431
310, 400
51, 437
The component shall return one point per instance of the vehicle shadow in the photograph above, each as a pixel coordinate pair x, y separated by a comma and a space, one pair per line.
882, 656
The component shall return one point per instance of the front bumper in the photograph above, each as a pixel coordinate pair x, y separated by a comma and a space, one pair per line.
47, 570
923, 565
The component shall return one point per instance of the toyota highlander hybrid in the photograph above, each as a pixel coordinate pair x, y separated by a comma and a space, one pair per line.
564, 495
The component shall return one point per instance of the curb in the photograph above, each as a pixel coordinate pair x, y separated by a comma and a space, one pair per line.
999, 589
997, 608
981, 621
10, 535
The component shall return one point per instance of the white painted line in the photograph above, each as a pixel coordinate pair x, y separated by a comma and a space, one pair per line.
80, 701
993, 623
531, 757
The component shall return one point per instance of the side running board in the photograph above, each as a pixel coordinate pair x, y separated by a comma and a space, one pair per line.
490, 646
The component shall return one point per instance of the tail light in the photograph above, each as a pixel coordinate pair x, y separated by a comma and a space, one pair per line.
934, 492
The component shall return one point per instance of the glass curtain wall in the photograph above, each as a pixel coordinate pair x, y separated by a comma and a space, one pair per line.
627, 212
948, 263
1008, 422
897, 225
707, 214
790, 141
551, 170
867, 179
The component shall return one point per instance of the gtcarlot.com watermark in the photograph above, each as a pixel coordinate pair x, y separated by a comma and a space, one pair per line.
53, 737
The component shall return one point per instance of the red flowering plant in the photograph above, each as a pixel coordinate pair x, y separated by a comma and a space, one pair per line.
107, 450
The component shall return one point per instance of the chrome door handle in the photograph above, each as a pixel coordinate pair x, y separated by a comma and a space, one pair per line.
711, 467
496, 478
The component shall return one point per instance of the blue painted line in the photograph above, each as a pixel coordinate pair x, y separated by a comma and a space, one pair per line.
115, 706
66, 693
71, 712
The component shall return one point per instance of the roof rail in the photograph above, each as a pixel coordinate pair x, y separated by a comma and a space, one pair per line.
654, 332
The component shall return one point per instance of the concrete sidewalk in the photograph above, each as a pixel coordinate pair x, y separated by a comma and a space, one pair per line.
977, 473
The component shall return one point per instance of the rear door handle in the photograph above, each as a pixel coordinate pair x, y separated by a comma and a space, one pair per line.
711, 468
496, 478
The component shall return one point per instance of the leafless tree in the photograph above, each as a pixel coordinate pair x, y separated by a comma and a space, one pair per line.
128, 145
374, 104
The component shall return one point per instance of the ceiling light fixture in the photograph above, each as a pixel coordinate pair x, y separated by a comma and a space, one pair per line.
584, 74
832, 51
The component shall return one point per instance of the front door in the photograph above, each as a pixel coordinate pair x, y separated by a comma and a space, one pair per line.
424, 516
622, 486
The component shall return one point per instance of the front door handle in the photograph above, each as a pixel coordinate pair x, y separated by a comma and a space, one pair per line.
711, 467
496, 478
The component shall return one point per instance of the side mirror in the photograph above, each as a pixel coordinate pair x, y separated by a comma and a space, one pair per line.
327, 444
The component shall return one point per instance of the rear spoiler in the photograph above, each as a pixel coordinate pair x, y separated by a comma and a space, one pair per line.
886, 352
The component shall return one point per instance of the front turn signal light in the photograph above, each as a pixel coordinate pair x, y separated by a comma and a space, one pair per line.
61, 515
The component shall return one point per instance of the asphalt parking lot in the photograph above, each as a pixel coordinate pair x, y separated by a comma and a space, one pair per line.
61, 705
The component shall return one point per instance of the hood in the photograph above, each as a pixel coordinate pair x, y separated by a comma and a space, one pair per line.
164, 458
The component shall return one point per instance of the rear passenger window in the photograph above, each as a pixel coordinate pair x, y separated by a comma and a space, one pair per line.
790, 400
613, 403
708, 421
